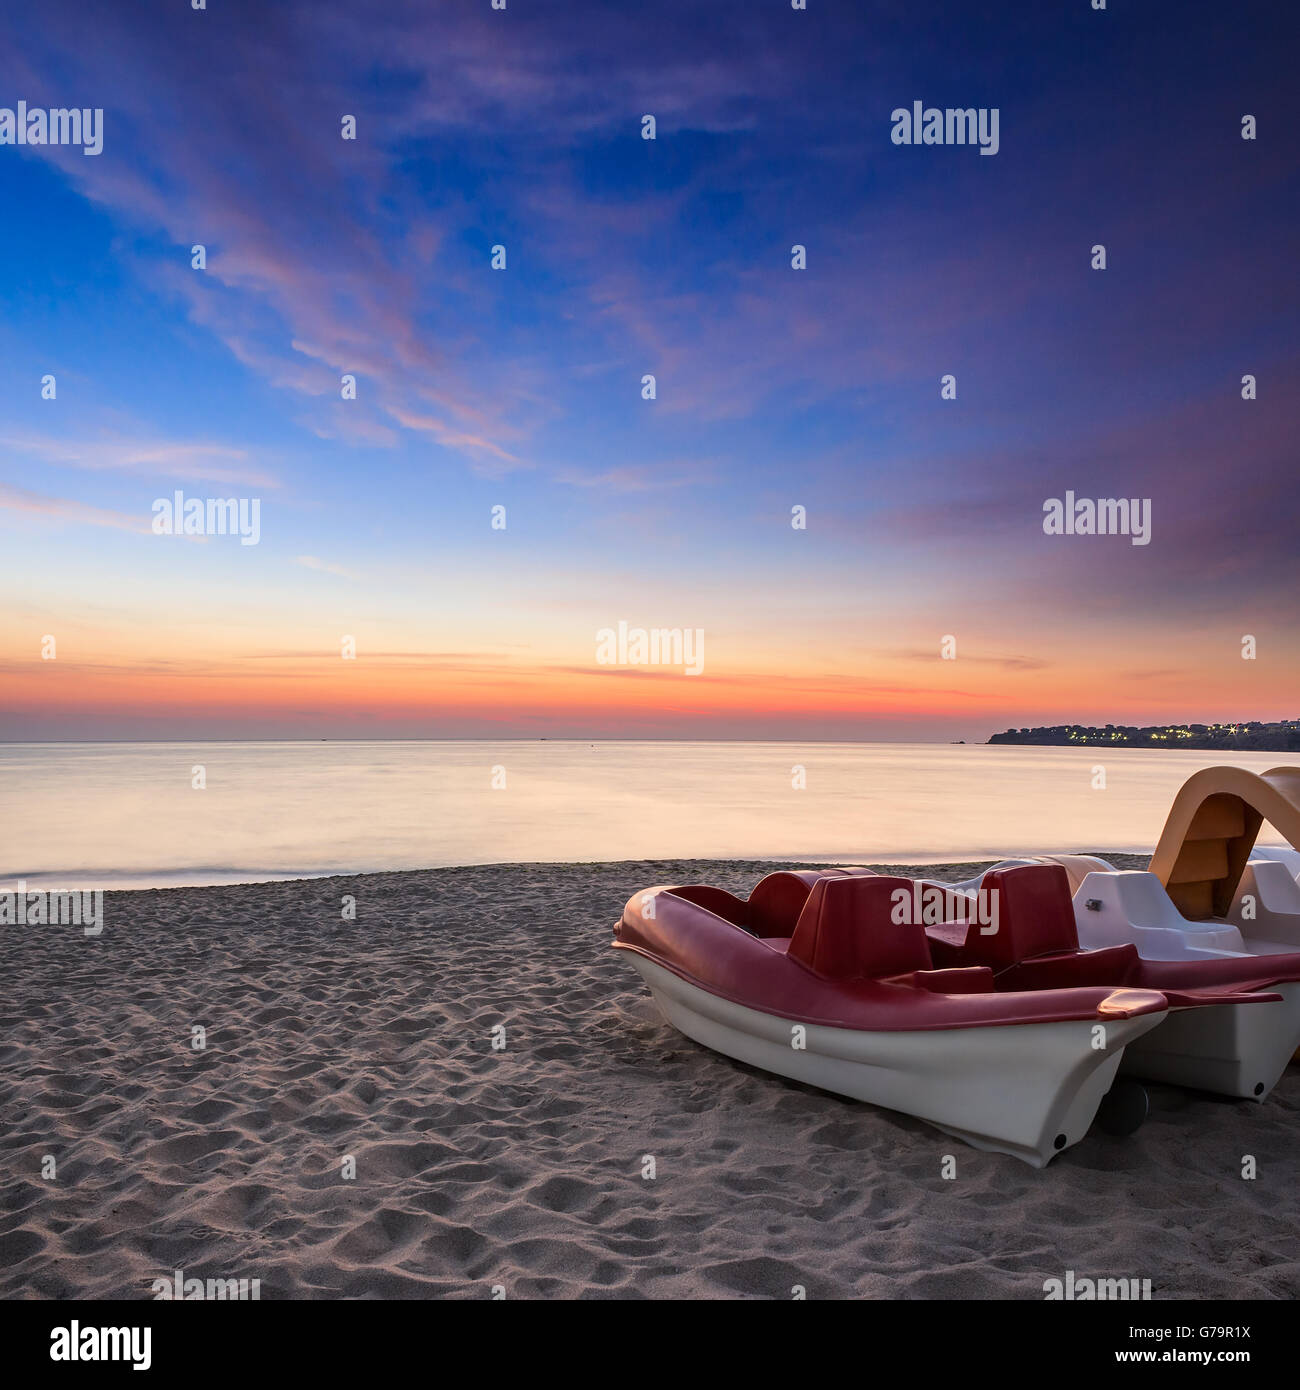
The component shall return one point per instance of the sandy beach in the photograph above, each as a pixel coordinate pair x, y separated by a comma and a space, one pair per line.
522, 1166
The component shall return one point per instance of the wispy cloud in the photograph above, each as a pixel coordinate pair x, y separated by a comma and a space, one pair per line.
450, 437
217, 463
312, 563
632, 478
62, 509
1004, 663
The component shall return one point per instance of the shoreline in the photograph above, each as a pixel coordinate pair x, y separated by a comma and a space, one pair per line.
949, 870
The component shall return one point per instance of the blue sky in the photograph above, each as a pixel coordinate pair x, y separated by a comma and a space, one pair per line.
521, 387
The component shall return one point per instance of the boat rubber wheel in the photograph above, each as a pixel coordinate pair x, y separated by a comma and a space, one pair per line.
1123, 1108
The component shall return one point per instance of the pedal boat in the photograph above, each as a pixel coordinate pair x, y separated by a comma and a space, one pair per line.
1121, 928
812, 979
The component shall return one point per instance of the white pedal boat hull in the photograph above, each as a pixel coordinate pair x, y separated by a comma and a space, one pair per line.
1233, 1050
1236, 1050
1029, 1090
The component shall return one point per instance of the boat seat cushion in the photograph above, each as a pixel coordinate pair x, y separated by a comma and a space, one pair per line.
846, 930
1111, 965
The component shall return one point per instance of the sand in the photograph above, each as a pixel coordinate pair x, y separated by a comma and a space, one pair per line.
522, 1168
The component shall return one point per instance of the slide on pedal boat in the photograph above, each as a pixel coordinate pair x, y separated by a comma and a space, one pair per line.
1121, 928
813, 978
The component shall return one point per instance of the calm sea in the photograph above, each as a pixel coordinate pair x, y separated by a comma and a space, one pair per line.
128, 814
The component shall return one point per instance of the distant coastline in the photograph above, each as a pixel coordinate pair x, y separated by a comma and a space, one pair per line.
1249, 735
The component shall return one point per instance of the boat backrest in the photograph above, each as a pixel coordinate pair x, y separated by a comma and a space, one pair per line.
1035, 916
1144, 902
1279, 855
776, 902
1272, 884
846, 930
778, 899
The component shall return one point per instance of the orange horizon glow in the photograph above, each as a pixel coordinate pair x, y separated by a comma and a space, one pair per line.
406, 691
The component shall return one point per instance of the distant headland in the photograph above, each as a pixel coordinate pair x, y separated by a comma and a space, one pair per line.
1280, 737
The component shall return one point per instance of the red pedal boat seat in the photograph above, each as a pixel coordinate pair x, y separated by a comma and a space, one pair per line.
846, 930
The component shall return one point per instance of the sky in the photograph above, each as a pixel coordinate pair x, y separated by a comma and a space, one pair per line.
521, 388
